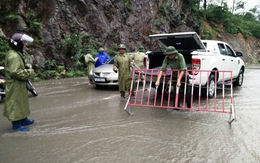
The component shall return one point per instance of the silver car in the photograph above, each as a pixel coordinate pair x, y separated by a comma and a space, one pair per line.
104, 75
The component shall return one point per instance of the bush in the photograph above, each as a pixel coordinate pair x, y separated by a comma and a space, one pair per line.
75, 73
50, 64
53, 74
4, 47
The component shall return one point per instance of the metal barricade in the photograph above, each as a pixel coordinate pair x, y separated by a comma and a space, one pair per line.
213, 94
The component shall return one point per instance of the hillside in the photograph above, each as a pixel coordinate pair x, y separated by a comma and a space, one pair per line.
62, 28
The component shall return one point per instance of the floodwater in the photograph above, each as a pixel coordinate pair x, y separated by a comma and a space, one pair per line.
76, 123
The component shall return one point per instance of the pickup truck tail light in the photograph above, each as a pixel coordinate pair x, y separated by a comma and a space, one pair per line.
195, 66
145, 62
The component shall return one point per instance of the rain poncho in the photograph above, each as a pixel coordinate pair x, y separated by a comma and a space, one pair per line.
90, 61
138, 58
122, 62
102, 58
16, 99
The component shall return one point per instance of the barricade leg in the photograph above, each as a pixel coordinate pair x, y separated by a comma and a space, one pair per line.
232, 114
128, 107
132, 85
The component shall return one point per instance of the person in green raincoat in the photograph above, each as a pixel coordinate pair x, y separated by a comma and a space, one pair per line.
89, 60
16, 74
138, 57
122, 63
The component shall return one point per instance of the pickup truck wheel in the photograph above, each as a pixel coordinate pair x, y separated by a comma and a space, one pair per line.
211, 89
210, 92
188, 96
239, 79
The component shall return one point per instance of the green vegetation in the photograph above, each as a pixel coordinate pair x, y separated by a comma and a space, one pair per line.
159, 21
127, 4
58, 73
71, 46
244, 23
113, 51
4, 47
35, 25
12, 17
163, 9
75, 73
213, 18
50, 64
153, 31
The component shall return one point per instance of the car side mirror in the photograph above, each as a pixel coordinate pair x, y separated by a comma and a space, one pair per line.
239, 54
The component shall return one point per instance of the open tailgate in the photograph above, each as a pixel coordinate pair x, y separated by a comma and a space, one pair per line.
181, 41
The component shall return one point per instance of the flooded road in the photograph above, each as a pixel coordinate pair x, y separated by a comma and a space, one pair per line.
76, 123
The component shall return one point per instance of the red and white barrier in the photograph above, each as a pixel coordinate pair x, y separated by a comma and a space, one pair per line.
143, 93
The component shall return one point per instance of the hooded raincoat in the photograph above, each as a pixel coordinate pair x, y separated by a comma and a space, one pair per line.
16, 99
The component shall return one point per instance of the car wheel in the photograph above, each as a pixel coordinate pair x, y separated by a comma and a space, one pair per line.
1, 98
239, 79
98, 86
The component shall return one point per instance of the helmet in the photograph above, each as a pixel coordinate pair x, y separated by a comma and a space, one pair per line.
101, 49
88, 50
141, 49
122, 46
170, 50
17, 40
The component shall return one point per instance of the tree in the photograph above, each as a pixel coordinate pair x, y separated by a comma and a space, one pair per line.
233, 6
239, 5
205, 4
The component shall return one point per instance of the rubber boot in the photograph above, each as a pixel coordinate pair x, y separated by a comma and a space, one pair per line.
122, 93
18, 127
26, 121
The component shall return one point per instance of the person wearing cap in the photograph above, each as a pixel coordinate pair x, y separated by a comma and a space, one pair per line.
138, 57
89, 60
122, 64
177, 62
16, 74
102, 57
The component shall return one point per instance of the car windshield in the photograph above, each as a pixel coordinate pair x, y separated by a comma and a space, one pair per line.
111, 61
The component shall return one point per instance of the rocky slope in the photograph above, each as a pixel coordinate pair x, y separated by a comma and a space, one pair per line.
105, 23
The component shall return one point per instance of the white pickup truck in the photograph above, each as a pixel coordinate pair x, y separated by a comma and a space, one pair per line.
211, 57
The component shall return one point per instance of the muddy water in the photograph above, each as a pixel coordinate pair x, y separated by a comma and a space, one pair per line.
77, 123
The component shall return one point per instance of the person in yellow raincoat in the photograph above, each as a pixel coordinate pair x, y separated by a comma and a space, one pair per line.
122, 63
89, 60
138, 57
16, 100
